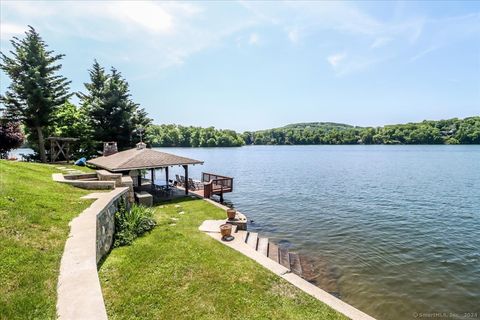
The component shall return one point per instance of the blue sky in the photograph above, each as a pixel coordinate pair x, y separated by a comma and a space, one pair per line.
253, 65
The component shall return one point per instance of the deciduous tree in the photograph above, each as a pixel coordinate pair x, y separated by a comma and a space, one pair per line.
11, 136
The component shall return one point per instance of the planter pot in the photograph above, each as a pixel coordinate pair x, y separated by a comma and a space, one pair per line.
231, 213
226, 230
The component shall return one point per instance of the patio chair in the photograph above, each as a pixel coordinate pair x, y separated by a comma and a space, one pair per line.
177, 180
198, 184
191, 184
182, 181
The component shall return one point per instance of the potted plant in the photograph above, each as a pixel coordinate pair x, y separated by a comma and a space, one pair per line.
231, 213
226, 230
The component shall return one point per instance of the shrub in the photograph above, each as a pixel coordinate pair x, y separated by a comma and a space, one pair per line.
11, 137
130, 224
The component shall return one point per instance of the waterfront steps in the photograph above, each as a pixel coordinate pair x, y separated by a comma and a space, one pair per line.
294, 268
290, 260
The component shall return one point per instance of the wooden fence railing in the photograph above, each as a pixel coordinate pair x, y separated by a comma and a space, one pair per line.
216, 184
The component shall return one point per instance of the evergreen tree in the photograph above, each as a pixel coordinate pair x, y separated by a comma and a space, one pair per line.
113, 115
98, 78
36, 90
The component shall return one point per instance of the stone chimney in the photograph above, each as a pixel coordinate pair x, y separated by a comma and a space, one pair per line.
141, 145
109, 148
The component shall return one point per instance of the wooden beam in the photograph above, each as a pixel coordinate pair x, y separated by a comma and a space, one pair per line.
52, 158
152, 176
166, 175
185, 167
68, 151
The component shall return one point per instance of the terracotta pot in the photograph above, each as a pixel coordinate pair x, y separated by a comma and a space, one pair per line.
226, 230
231, 213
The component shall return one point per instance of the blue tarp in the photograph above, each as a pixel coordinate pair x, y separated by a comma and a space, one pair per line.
81, 162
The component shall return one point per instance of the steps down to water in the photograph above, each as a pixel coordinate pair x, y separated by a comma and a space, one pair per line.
252, 239
315, 271
289, 260
262, 246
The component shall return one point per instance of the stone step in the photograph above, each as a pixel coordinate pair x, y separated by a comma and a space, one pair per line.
252, 240
284, 257
295, 265
273, 251
263, 246
241, 235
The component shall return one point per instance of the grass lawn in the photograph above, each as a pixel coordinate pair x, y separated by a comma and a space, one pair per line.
34, 216
177, 272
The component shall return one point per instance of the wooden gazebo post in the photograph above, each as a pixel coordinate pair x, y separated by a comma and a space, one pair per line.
166, 175
185, 167
152, 176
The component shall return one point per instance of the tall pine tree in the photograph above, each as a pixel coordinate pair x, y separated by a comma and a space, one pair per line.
36, 90
113, 115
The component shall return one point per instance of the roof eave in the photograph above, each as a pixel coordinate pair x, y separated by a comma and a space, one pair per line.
144, 167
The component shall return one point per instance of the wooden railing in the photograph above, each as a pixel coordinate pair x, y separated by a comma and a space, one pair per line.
216, 184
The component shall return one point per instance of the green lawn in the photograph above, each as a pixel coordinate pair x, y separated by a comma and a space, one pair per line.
34, 216
178, 272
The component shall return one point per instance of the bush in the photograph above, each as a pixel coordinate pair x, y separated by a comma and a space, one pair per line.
11, 137
130, 224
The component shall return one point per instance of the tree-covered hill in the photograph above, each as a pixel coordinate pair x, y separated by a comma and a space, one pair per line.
324, 125
451, 131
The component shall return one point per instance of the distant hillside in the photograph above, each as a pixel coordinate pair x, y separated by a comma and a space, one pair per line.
451, 131
325, 125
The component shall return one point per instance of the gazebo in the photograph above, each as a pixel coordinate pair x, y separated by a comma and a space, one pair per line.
132, 161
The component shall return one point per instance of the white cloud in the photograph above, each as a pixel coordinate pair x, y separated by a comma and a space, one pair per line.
448, 31
7, 30
344, 64
336, 58
254, 39
158, 34
423, 53
293, 35
380, 42
146, 14
163, 34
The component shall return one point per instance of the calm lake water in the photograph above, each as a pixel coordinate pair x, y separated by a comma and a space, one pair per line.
395, 230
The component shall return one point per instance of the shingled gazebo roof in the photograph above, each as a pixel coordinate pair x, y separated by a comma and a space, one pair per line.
134, 159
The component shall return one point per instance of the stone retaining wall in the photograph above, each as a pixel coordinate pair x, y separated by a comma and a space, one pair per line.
106, 225
91, 235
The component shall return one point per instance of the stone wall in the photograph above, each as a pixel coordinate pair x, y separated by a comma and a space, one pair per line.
79, 295
106, 224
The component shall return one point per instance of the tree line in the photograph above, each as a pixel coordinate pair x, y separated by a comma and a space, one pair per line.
172, 135
451, 131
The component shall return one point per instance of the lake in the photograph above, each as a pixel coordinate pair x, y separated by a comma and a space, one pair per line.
395, 230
